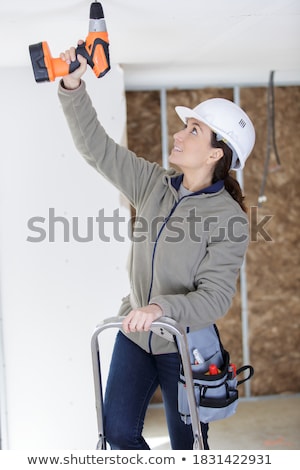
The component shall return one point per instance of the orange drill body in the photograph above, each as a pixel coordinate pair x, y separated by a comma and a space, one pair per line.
95, 46
95, 49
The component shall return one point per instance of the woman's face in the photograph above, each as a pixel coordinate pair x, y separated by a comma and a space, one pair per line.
192, 146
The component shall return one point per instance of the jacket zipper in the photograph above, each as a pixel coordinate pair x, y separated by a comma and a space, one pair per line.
152, 263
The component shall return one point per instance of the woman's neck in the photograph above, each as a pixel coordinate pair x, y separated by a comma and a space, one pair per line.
194, 183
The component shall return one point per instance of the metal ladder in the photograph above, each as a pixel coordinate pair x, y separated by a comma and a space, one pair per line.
169, 329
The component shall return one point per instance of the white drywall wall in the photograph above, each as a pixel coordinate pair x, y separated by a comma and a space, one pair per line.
53, 293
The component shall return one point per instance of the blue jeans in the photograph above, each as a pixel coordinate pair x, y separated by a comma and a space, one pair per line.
133, 378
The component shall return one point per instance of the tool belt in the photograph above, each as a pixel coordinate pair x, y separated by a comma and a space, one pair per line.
216, 395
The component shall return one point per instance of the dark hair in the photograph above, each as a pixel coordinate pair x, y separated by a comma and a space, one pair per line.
222, 169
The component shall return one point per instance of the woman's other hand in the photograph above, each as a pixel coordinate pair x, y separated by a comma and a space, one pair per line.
141, 319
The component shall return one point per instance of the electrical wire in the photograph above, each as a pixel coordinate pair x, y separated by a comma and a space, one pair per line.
271, 140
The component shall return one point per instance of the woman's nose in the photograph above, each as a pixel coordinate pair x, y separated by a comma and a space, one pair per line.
178, 135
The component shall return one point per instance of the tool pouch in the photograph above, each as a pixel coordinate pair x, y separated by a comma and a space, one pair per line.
216, 395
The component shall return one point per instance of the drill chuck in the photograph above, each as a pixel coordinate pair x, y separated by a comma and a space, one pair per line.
96, 11
97, 21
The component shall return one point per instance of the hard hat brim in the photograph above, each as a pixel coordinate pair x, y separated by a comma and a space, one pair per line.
186, 113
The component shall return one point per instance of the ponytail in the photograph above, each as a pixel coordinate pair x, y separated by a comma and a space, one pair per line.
222, 169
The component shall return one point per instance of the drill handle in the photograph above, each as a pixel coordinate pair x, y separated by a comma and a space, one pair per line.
96, 52
76, 64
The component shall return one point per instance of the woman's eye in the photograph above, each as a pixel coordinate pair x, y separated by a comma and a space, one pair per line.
194, 131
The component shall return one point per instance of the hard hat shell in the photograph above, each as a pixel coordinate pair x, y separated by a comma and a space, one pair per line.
229, 122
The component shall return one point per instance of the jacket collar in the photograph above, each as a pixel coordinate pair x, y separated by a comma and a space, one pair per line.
214, 188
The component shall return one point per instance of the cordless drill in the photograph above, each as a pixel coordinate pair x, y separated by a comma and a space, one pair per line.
94, 49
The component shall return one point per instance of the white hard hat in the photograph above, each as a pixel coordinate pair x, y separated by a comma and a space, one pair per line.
229, 122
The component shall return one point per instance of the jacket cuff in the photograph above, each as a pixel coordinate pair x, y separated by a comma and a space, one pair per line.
165, 306
65, 91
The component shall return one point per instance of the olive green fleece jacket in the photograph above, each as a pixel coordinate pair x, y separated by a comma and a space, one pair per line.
186, 254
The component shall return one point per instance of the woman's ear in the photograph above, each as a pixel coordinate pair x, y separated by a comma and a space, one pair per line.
216, 155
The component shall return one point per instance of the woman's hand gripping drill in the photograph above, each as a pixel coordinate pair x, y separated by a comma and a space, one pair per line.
72, 81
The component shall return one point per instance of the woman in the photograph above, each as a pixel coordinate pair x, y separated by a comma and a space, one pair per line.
186, 263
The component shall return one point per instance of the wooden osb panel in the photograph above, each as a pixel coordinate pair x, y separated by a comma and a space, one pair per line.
273, 257
143, 124
273, 266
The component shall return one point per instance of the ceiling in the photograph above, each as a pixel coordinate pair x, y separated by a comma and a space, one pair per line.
168, 43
